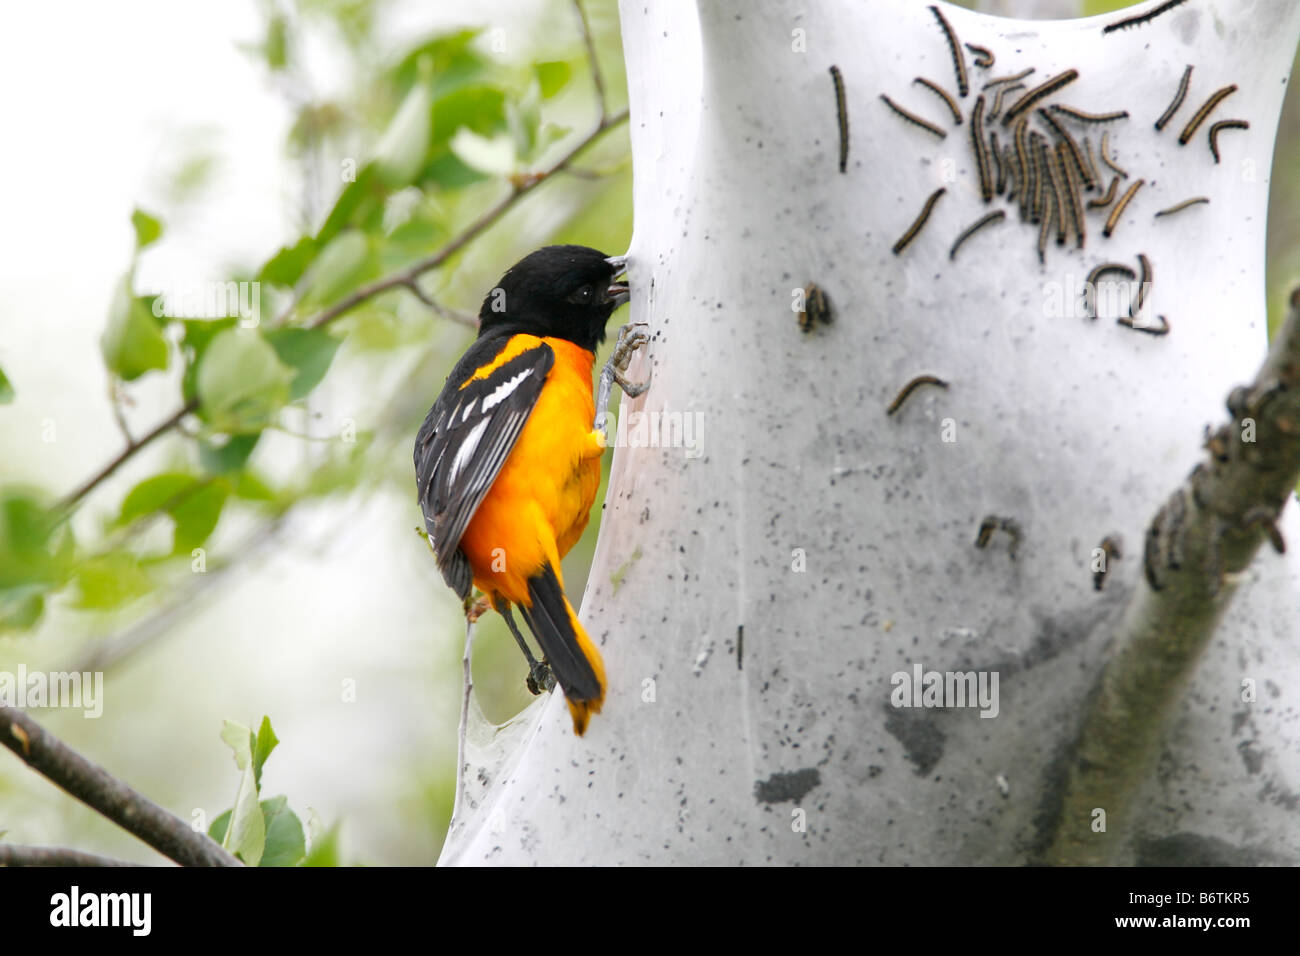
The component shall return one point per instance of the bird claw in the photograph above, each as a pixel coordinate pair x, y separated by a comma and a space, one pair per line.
540, 679
630, 338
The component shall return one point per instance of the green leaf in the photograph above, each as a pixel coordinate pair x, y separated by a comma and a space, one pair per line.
241, 383
110, 580
285, 843
454, 61
250, 487
324, 843
147, 228
196, 516
6, 389
524, 118
308, 352
26, 564
198, 335
287, 266
240, 740
133, 342
219, 826
20, 610
245, 835
494, 156
552, 76
276, 47
338, 268
479, 108
400, 152
220, 458
360, 200
154, 493
263, 744
194, 505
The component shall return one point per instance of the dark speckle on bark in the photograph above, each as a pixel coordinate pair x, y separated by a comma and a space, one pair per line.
782, 787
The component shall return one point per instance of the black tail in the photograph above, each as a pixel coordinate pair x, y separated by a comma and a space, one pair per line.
573, 659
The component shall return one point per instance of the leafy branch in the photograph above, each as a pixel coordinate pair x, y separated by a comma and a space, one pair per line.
401, 279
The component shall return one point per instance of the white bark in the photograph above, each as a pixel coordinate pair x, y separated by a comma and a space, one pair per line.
1075, 429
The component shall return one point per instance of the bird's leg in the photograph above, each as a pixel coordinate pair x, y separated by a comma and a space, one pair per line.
540, 677
630, 338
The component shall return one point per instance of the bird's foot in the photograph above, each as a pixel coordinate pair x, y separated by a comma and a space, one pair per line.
540, 679
630, 338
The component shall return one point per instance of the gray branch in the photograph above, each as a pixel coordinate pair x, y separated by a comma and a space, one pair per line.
1204, 536
102, 792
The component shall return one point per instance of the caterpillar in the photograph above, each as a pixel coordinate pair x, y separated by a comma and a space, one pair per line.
1072, 188
1168, 114
1106, 199
1070, 143
1144, 18
915, 227
981, 148
1217, 97
1222, 125
842, 114
911, 387
1105, 157
1083, 117
958, 57
1046, 88
974, 228
1181, 206
913, 118
1090, 284
943, 95
983, 56
1120, 206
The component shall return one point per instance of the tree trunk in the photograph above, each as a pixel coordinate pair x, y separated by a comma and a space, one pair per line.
763, 598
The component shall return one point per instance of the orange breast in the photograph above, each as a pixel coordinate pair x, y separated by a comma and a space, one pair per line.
540, 502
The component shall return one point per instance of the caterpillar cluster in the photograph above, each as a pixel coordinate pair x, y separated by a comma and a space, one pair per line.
1041, 158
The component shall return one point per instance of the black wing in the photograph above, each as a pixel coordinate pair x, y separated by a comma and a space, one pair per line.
463, 443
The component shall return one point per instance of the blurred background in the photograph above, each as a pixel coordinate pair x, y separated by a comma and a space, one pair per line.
263, 557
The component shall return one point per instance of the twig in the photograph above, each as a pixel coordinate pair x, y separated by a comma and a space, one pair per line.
1208, 532
466, 662
104, 793
596, 78
402, 278
165, 426
115, 402
14, 855
405, 276
463, 318
392, 425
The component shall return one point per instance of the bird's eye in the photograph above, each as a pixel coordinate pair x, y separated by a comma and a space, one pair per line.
583, 296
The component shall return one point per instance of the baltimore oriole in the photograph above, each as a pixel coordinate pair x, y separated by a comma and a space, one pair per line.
507, 462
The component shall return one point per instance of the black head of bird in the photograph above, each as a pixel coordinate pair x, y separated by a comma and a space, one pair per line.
566, 292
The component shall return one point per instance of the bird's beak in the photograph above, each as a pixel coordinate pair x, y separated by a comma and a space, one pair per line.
618, 292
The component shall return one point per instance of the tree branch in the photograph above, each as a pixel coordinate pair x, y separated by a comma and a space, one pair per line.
404, 278
91, 484
14, 855
1201, 539
107, 795
596, 78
